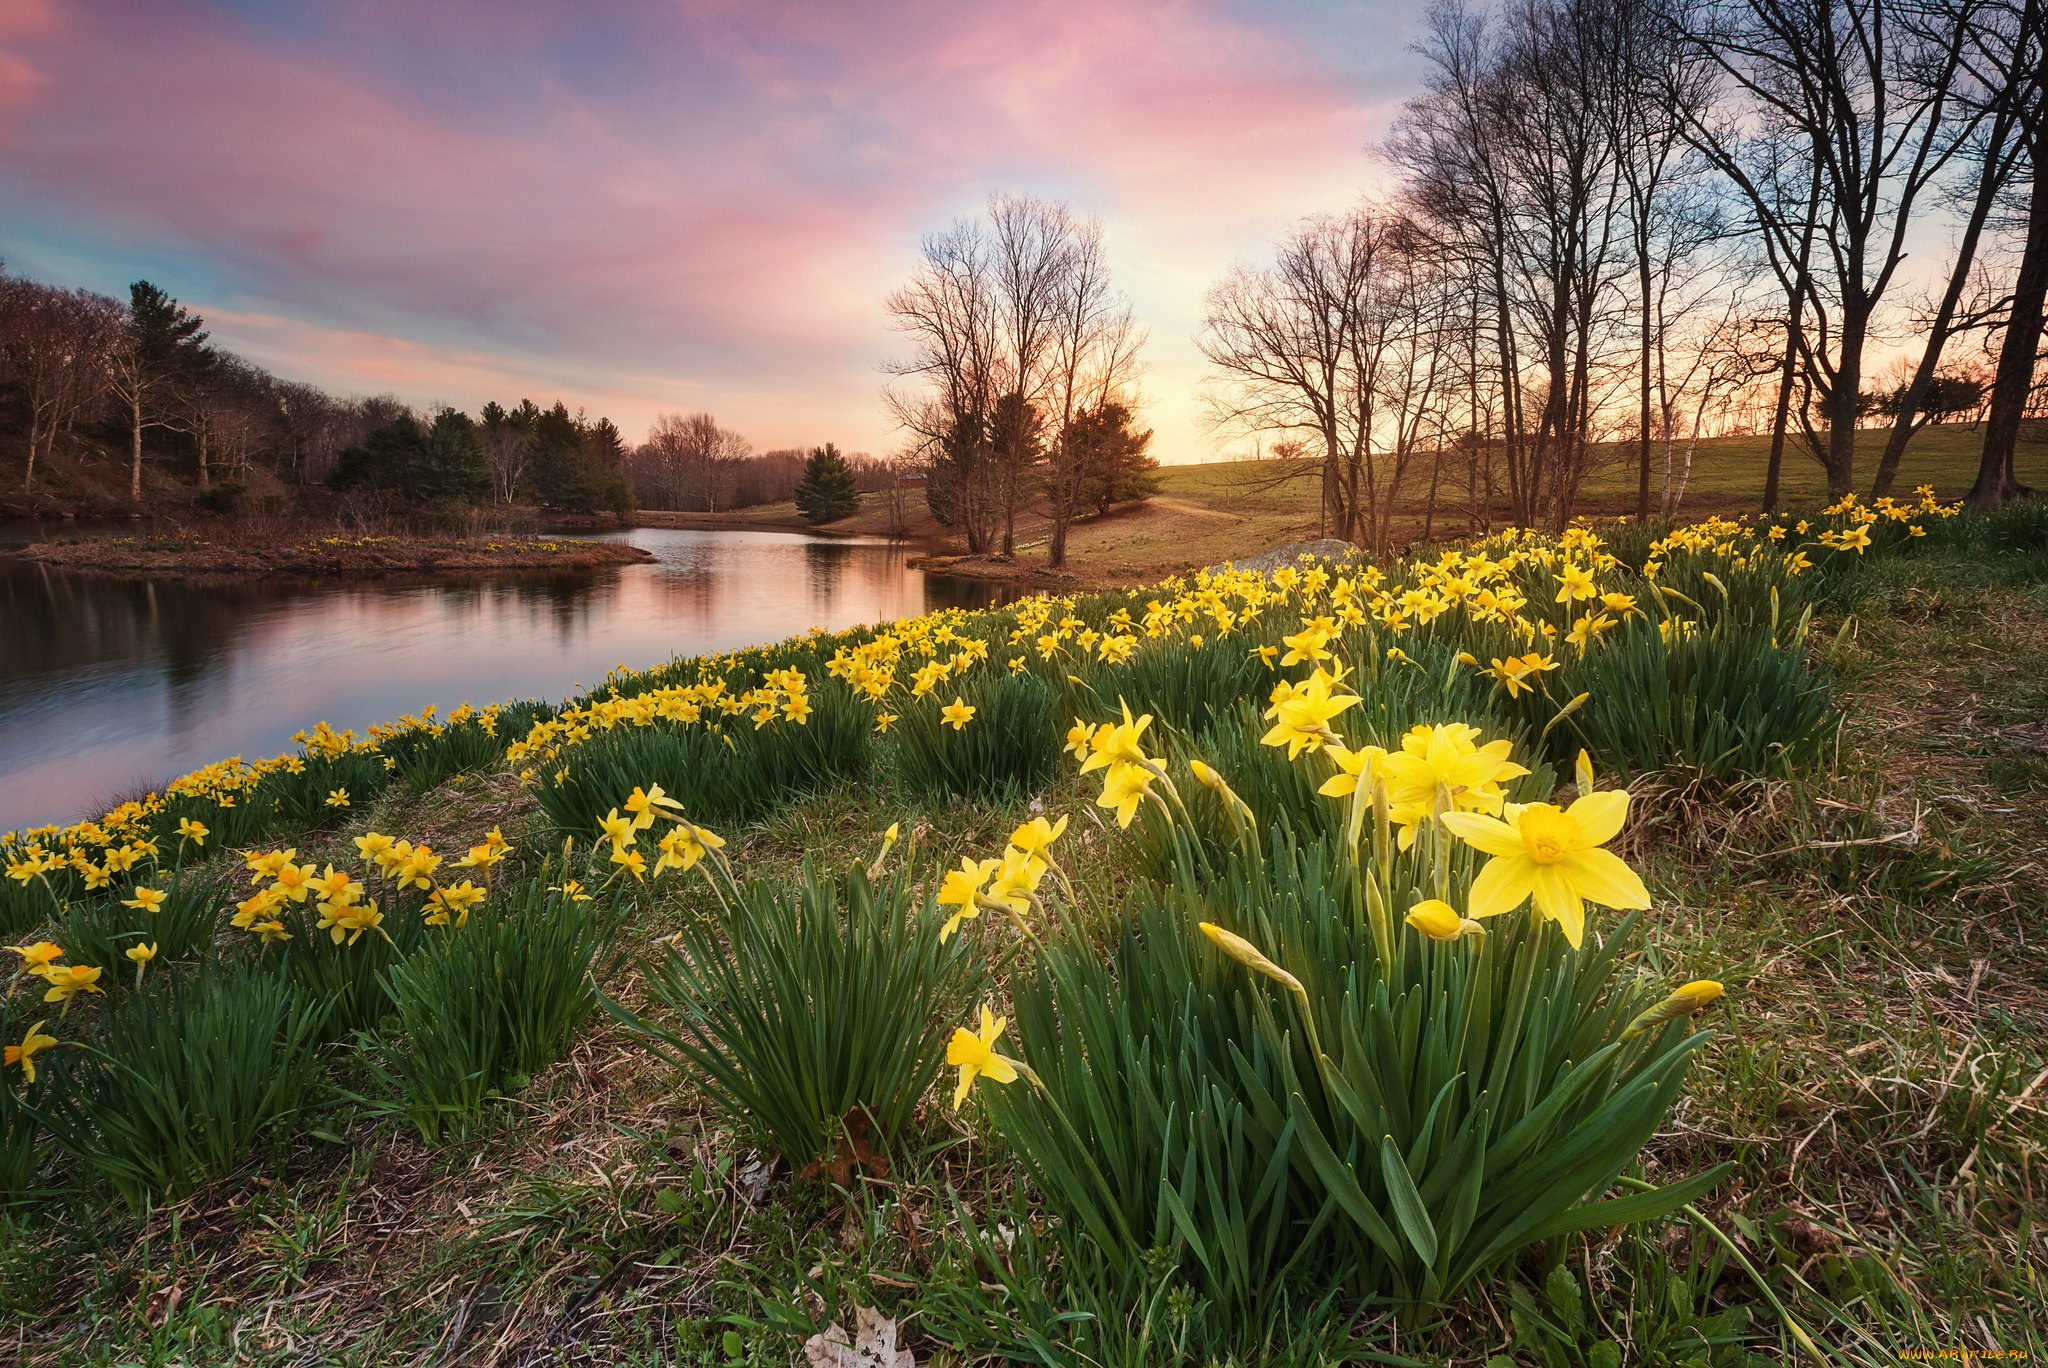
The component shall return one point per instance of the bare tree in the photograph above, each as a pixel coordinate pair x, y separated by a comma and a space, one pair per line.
1848, 95
1341, 346
1093, 346
2015, 42
53, 353
948, 310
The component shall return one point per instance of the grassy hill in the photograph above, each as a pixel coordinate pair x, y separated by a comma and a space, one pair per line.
1205, 514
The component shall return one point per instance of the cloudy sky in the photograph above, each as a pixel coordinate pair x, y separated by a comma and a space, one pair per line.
640, 208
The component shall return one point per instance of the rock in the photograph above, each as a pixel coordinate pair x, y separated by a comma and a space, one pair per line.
1266, 562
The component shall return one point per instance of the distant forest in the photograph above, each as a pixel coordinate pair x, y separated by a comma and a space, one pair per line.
107, 405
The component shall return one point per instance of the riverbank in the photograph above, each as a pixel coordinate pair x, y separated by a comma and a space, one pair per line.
1868, 916
178, 554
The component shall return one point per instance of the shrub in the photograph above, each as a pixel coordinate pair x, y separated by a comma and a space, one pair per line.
1721, 701
480, 1007
1461, 1113
814, 1016
721, 775
21, 1134
1009, 746
1412, 1104
429, 753
100, 930
347, 978
184, 1077
303, 799
1183, 685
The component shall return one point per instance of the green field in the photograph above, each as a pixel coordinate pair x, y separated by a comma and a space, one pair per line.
1725, 471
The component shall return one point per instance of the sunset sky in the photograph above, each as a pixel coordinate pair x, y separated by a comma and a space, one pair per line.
639, 208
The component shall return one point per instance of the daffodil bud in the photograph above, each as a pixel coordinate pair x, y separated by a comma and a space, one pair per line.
1214, 782
1437, 920
1683, 1002
1247, 954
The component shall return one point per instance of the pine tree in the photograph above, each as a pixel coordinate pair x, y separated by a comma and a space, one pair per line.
828, 489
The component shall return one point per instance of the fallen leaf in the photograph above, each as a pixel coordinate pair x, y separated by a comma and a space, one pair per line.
872, 1346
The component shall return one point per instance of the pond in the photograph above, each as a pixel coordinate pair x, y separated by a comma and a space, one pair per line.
112, 685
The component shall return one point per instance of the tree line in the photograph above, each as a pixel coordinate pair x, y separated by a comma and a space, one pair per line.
1019, 391
143, 378
691, 464
1616, 224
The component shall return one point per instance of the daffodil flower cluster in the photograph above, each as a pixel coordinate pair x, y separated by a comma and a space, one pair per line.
61, 982
1008, 883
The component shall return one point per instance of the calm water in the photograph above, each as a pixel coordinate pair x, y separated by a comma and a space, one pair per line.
109, 684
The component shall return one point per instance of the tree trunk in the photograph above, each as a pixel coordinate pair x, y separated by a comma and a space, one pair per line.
1841, 449
135, 447
1996, 483
1643, 455
1784, 411
1903, 427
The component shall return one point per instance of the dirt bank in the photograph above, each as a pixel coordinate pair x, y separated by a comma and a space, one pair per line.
183, 555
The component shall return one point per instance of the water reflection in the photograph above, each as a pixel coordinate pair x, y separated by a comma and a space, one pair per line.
108, 683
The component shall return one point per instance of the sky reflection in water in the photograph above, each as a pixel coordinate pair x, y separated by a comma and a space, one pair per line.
109, 684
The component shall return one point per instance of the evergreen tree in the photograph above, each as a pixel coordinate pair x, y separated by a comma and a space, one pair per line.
828, 489
452, 468
390, 458
1115, 463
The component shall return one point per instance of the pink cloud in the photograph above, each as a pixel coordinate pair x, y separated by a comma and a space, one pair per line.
705, 208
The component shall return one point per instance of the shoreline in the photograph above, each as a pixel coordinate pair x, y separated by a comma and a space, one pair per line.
327, 556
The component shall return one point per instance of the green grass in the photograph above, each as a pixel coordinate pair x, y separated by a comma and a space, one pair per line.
1726, 472
1877, 922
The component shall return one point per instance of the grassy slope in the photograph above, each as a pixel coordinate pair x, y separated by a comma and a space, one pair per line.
1206, 514
1875, 988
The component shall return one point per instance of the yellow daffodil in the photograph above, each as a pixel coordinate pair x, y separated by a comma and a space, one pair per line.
1308, 645
195, 832
337, 886
338, 798
414, 866
1301, 719
37, 957
67, 980
973, 1054
1576, 582
1036, 835
24, 1054
1554, 856
1445, 759
620, 829
348, 922
634, 862
1440, 921
261, 904
373, 846
455, 900
683, 847
481, 856
1017, 877
961, 889
141, 955
884, 720
295, 881
571, 890
957, 714
1516, 672
1250, 956
1353, 768
266, 865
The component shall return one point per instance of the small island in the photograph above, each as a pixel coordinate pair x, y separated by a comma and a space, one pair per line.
179, 554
